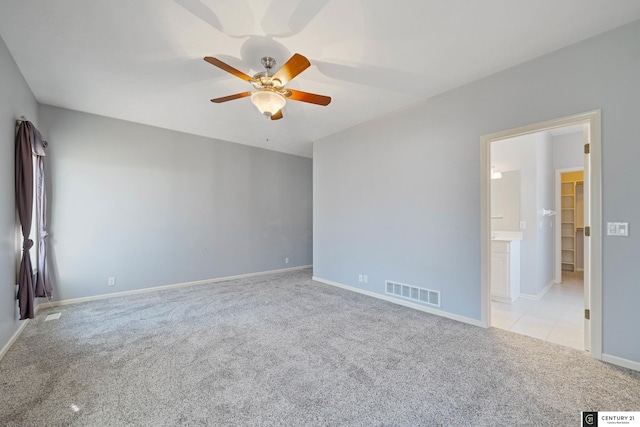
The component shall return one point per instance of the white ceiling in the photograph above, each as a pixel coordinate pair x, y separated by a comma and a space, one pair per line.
142, 60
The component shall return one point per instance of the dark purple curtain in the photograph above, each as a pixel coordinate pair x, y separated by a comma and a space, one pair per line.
27, 138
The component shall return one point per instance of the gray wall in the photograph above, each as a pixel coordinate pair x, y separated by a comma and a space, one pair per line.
16, 100
532, 156
521, 154
399, 197
545, 200
154, 207
505, 202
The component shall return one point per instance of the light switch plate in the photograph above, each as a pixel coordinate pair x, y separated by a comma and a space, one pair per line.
618, 229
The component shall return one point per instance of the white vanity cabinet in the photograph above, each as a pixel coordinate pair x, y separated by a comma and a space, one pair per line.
505, 270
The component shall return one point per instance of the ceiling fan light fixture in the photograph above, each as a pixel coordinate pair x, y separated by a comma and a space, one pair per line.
270, 94
268, 102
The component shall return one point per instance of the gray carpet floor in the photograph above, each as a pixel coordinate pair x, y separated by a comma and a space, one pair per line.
282, 350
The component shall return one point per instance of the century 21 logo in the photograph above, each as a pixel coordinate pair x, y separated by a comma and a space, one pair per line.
590, 419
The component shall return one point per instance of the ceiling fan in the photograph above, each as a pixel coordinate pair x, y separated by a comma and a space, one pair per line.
270, 94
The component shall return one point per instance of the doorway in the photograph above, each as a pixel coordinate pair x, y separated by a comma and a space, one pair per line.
592, 257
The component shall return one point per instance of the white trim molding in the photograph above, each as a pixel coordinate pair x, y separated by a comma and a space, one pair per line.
174, 286
625, 363
40, 306
540, 294
14, 338
419, 307
593, 118
18, 332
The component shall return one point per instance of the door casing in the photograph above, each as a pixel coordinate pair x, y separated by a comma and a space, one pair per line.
593, 271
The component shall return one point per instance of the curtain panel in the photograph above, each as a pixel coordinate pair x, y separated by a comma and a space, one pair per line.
43, 283
29, 143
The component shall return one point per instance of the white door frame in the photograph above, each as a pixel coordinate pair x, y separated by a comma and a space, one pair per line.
593, 118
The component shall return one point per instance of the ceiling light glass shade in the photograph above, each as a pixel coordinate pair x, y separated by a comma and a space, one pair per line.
268, 102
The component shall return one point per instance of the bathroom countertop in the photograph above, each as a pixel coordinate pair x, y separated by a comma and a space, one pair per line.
506, 236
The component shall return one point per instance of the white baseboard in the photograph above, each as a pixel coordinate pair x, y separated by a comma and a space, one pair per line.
614, 360
429, 310
16, 335
503, 300
539, 294
13, 339
625, 363
39, 306
174, 286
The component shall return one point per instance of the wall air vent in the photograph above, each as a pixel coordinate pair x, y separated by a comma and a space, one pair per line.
426, 296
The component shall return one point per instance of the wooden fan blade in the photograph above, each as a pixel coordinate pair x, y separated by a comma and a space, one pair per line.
277, 116
294, 66
231, 97
297, 95
228, 68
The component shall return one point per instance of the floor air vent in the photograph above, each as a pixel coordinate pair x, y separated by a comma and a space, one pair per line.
426, 296
54, 316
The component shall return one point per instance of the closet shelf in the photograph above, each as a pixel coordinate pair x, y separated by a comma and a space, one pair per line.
569, 220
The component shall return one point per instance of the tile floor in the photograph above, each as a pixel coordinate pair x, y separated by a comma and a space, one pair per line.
557, 317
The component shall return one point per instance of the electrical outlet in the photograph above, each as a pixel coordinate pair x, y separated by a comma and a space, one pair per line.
360, 278
112, 281
286, 260
366, 278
